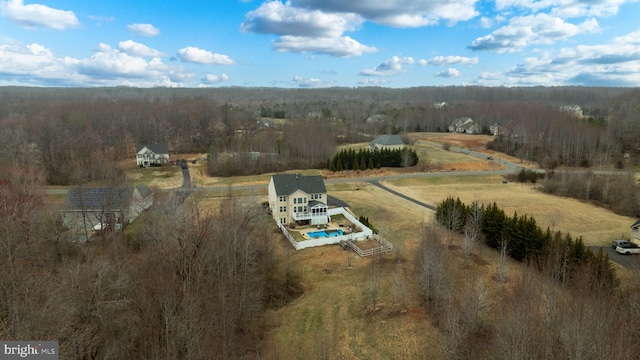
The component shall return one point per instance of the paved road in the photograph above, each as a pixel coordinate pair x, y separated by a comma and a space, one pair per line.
430, 207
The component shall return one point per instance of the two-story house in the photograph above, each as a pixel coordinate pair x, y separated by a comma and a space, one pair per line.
152, 155
298, 199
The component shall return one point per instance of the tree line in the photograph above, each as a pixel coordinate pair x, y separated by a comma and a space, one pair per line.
79, 135
363, 159
525, 241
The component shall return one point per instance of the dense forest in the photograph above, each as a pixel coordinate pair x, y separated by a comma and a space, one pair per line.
72, 133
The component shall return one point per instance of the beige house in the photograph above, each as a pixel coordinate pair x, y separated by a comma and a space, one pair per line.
298, 199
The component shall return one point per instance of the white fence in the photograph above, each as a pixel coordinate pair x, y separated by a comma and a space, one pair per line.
366, 233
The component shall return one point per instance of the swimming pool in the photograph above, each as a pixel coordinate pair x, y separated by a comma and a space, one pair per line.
325, 233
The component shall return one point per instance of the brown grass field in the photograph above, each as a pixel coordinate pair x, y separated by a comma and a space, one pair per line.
335, 317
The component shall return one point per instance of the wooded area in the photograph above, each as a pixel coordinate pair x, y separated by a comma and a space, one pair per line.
76, 135
194, 280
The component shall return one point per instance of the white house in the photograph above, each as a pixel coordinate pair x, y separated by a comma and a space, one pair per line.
465, 125
87, 210
152, 155
389, 142
573, 109
298, 199
635, 231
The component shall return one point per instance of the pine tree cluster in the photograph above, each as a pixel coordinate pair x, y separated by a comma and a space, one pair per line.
372, 159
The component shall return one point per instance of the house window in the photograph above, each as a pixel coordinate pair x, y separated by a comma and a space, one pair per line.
283, 221
283, 198
283, 208
300, 208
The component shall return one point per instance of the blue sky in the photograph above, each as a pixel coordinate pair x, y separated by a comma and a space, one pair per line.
319, 43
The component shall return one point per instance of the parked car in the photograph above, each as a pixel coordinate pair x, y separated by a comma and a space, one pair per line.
489, 157
617, 242
628, 248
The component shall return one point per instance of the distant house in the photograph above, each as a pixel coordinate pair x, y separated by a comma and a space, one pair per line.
376, 118
298, 199
440, 105
388, 142
495, 129
465, 125
90, 210
152, 155
574, 110
635, 231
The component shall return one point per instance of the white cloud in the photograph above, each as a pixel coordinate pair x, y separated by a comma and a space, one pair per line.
374, 82
449, 60
450, 72
306, 31
144, 29
37, 15
340, 47
565, 8
274, 17
136, 49
213, 79
309, 83
200, 56
523, 31
390, 67
36, 65
485, 22
612, 64
398, 13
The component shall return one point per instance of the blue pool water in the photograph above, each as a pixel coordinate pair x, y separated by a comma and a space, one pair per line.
324, 233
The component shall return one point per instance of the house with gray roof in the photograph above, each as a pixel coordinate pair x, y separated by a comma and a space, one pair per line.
298, 199
91, 210
152, 155
388, 142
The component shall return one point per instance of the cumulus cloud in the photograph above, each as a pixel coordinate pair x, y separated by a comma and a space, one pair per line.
339, 47
532, 29
37, 65
200, 56
612, 64
565, 8
301, 82
36, 15
136, 49
398, 13
306, 30
214, 79
390, 67
274, 17
144, 29
449, 60
450, 72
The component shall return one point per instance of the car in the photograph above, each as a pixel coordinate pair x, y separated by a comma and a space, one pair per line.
628, 248
489, 157
617, 242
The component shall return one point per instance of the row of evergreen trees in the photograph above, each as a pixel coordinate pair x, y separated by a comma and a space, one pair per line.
349, 159
564, 256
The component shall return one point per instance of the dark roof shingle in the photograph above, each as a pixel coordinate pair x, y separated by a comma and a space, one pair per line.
99, 198
287, 184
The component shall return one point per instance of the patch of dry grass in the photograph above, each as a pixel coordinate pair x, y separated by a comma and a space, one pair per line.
596, 225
